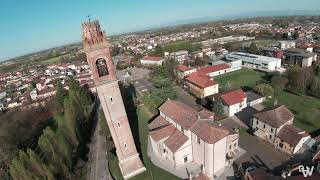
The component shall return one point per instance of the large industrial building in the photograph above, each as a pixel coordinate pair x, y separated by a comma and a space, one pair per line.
255, 61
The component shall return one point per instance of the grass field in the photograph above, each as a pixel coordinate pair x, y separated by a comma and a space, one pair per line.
152, 172
305, 108
240, 78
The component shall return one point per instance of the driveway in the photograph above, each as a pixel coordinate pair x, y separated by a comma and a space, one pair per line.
260, 152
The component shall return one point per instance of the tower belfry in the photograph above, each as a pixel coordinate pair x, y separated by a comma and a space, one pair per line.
99, 59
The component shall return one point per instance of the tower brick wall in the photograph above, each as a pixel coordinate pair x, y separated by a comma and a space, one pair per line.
99, 59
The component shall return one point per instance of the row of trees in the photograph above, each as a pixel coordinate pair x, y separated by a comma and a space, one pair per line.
162, 80
304, 80
61, 144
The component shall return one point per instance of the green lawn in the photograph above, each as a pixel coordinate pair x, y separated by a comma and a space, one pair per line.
243, 77
152, 171
305, 108
54, 60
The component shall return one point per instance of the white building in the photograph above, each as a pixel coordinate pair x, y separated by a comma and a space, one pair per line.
151, 61
180, 56
287, 44
255, 61
182, 135
233, 101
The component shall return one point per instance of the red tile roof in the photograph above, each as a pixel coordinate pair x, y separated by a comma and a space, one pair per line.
180, 113
232, 97
200, 80
275, 116
176, 140
152, 58
200, 176
208, 132
291, 134
157, 123
162, 133
214, 68
183, 68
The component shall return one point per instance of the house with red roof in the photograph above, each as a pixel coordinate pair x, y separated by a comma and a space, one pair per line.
215, 70
233, 101
182, 136
201, 85
152, 61
181, 71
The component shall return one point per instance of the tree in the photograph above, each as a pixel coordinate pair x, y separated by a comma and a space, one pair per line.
218, 106
29, 166
295, 81
56, 151
280, 81
158, 51
264, 89
60, 94
253, 49
31, 86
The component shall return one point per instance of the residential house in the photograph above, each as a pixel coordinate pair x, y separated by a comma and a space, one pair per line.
268, 122
201, 85
290, 139
182, 135
272, 52
180, 56
233, 101
254, 98
181, 71
287, 44
152, 61
299, 56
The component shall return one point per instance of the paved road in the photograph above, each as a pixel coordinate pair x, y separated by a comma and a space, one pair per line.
97, 163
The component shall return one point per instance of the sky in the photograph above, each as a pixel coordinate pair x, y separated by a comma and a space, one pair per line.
32, 25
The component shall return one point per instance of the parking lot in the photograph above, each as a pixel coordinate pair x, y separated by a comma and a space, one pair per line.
260, 152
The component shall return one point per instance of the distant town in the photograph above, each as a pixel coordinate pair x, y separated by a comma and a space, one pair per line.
237, 99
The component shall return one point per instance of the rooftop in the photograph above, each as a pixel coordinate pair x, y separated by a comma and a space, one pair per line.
291, 134
201, 80
208, 132
152, 58
232, 96
275, 116
240, 55
214, 68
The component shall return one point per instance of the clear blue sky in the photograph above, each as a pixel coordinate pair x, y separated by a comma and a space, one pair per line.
32, 25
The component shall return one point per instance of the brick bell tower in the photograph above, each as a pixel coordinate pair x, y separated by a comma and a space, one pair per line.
99, 59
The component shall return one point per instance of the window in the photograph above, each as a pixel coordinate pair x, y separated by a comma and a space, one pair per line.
257, 122
264, 126
185, 159
230, 147
198, 139
164, 151
118, 124
125, 145
235, 144
102, 67
270, 136
272, 130
111, 99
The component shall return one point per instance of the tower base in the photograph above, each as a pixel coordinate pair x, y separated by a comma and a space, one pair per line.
131, 166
